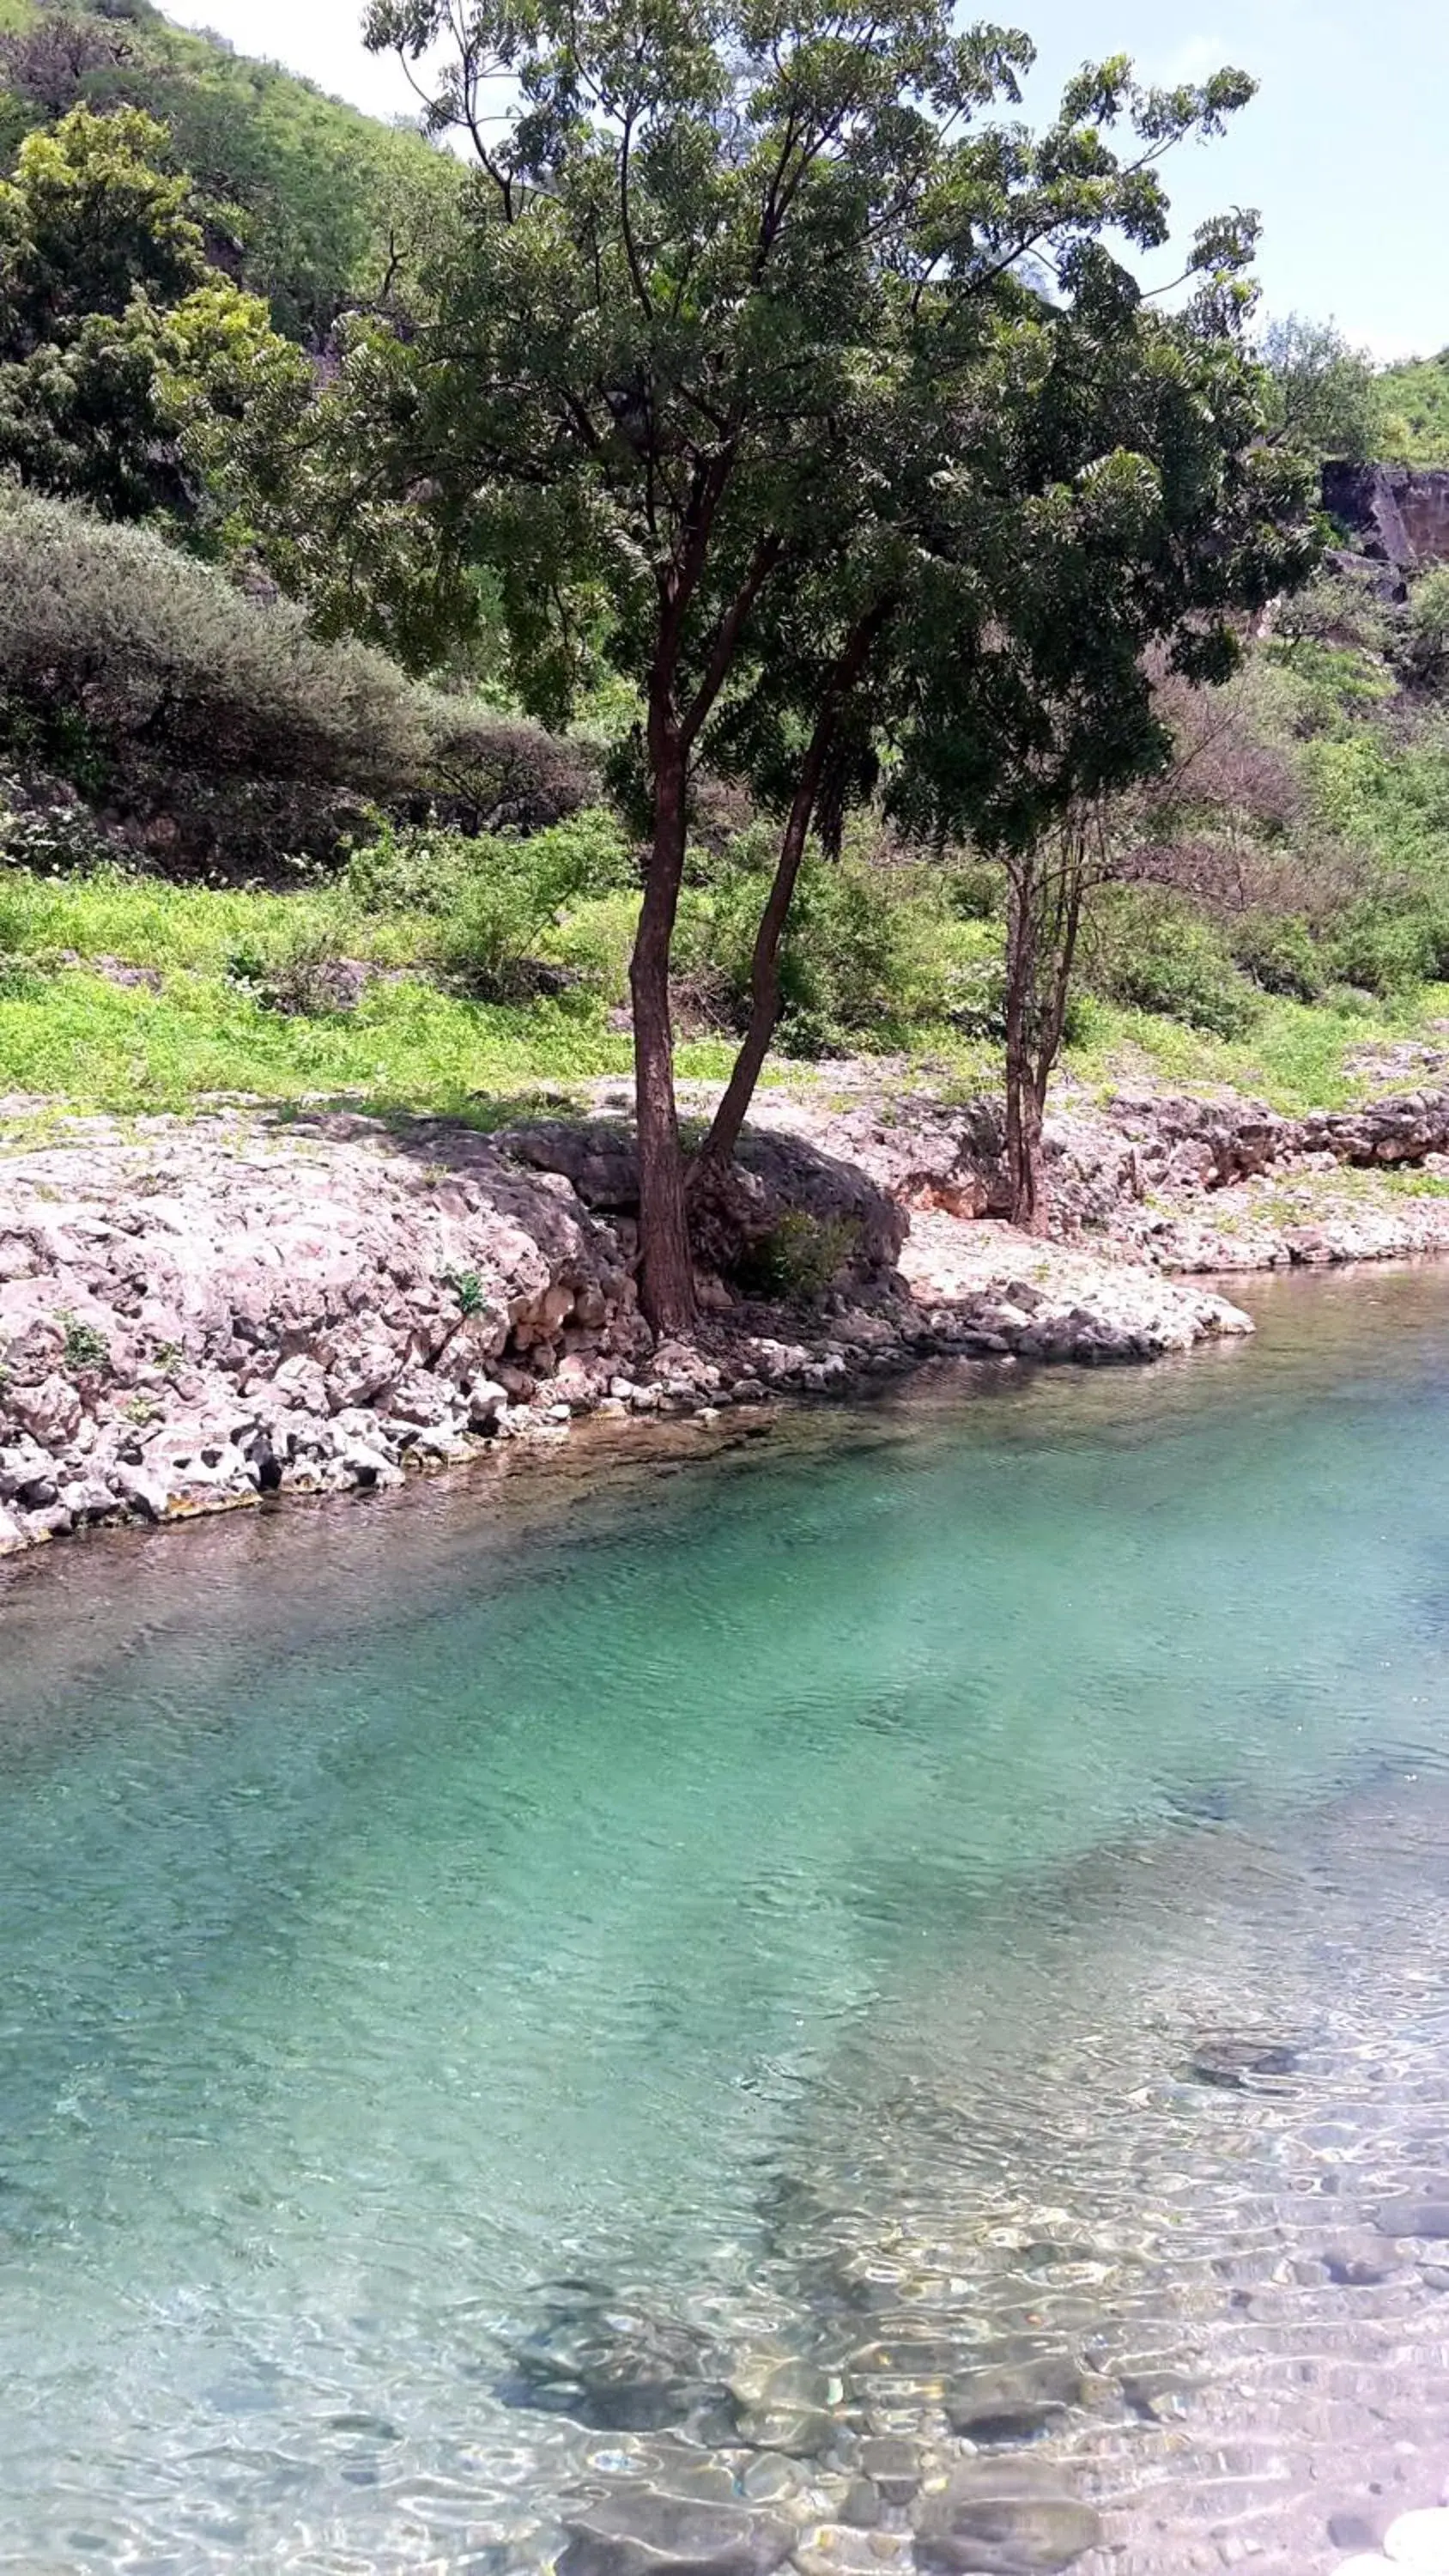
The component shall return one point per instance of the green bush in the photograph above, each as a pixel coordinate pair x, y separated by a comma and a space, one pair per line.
209, 723
800, 1256
1388, 945
1282, 955
1423, 648
431, 868
1150, 951
861, 962
156, 652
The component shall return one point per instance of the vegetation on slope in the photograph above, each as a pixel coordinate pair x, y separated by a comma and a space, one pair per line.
1412, 402
308, 202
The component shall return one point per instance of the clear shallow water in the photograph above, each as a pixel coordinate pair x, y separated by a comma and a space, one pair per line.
738, 1889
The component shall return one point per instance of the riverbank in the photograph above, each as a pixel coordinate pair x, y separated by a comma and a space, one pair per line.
197, 1314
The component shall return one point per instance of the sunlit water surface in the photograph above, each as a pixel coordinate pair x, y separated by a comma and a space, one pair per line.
738, 1887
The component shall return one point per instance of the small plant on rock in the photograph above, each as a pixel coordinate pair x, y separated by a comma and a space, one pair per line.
800, 1255
85, 1348
467, 1287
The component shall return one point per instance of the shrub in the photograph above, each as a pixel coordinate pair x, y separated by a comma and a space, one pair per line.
211, 722
1282, 955
1149, 951
1423, 646
799, 1256
1387, 945
491, 772
860, 961
409, 868
158, 652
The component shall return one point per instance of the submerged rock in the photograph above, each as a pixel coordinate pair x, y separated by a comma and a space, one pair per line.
1014, 2400
893, 2466
992, 2519
1223, 2057
640, 2532
785, 2405
1408, 2215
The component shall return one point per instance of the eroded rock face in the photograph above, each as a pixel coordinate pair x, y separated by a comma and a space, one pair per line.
1399, 513
209, 1312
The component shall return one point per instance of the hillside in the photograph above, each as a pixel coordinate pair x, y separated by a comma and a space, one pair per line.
310, 202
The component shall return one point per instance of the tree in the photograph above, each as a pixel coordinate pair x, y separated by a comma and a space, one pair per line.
1322, 395
89, 220
729, 270
1034, 701
130, 371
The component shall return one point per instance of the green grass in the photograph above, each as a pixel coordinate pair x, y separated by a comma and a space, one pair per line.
69, 1034
1296, 1056
145, 922
73, 1037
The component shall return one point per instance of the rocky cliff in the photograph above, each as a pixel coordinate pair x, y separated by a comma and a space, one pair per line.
1398, 514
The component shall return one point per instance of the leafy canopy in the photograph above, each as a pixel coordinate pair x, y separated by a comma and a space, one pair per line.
727, 273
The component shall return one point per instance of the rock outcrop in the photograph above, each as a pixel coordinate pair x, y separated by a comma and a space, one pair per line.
1399, 514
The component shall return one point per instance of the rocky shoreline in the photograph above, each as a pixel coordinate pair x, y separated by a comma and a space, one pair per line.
199, 1314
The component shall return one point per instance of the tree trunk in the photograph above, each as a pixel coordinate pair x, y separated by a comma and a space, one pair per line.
724, 1134
1024, 1105
1043, 923
666, 1270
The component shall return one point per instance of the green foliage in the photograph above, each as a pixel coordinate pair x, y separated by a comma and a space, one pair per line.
1150, 951
467, 1288
131, 376
860, 962
85, 1348
311, 204
1281, 954
164, 660
799, 1256
88, 222
1423, 649
1413, 411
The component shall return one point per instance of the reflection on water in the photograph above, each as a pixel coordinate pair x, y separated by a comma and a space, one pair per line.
776, 1899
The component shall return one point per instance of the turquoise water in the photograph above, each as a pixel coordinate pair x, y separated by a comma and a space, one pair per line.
403, 1909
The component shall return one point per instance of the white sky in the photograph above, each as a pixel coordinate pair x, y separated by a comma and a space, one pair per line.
1343, 152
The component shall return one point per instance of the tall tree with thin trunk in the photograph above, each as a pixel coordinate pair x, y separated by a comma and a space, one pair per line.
709, 246
1030, 699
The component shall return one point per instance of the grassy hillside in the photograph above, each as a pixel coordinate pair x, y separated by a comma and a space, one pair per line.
309, 198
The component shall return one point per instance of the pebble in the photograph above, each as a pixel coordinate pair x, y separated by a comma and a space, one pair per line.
1420, 2541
